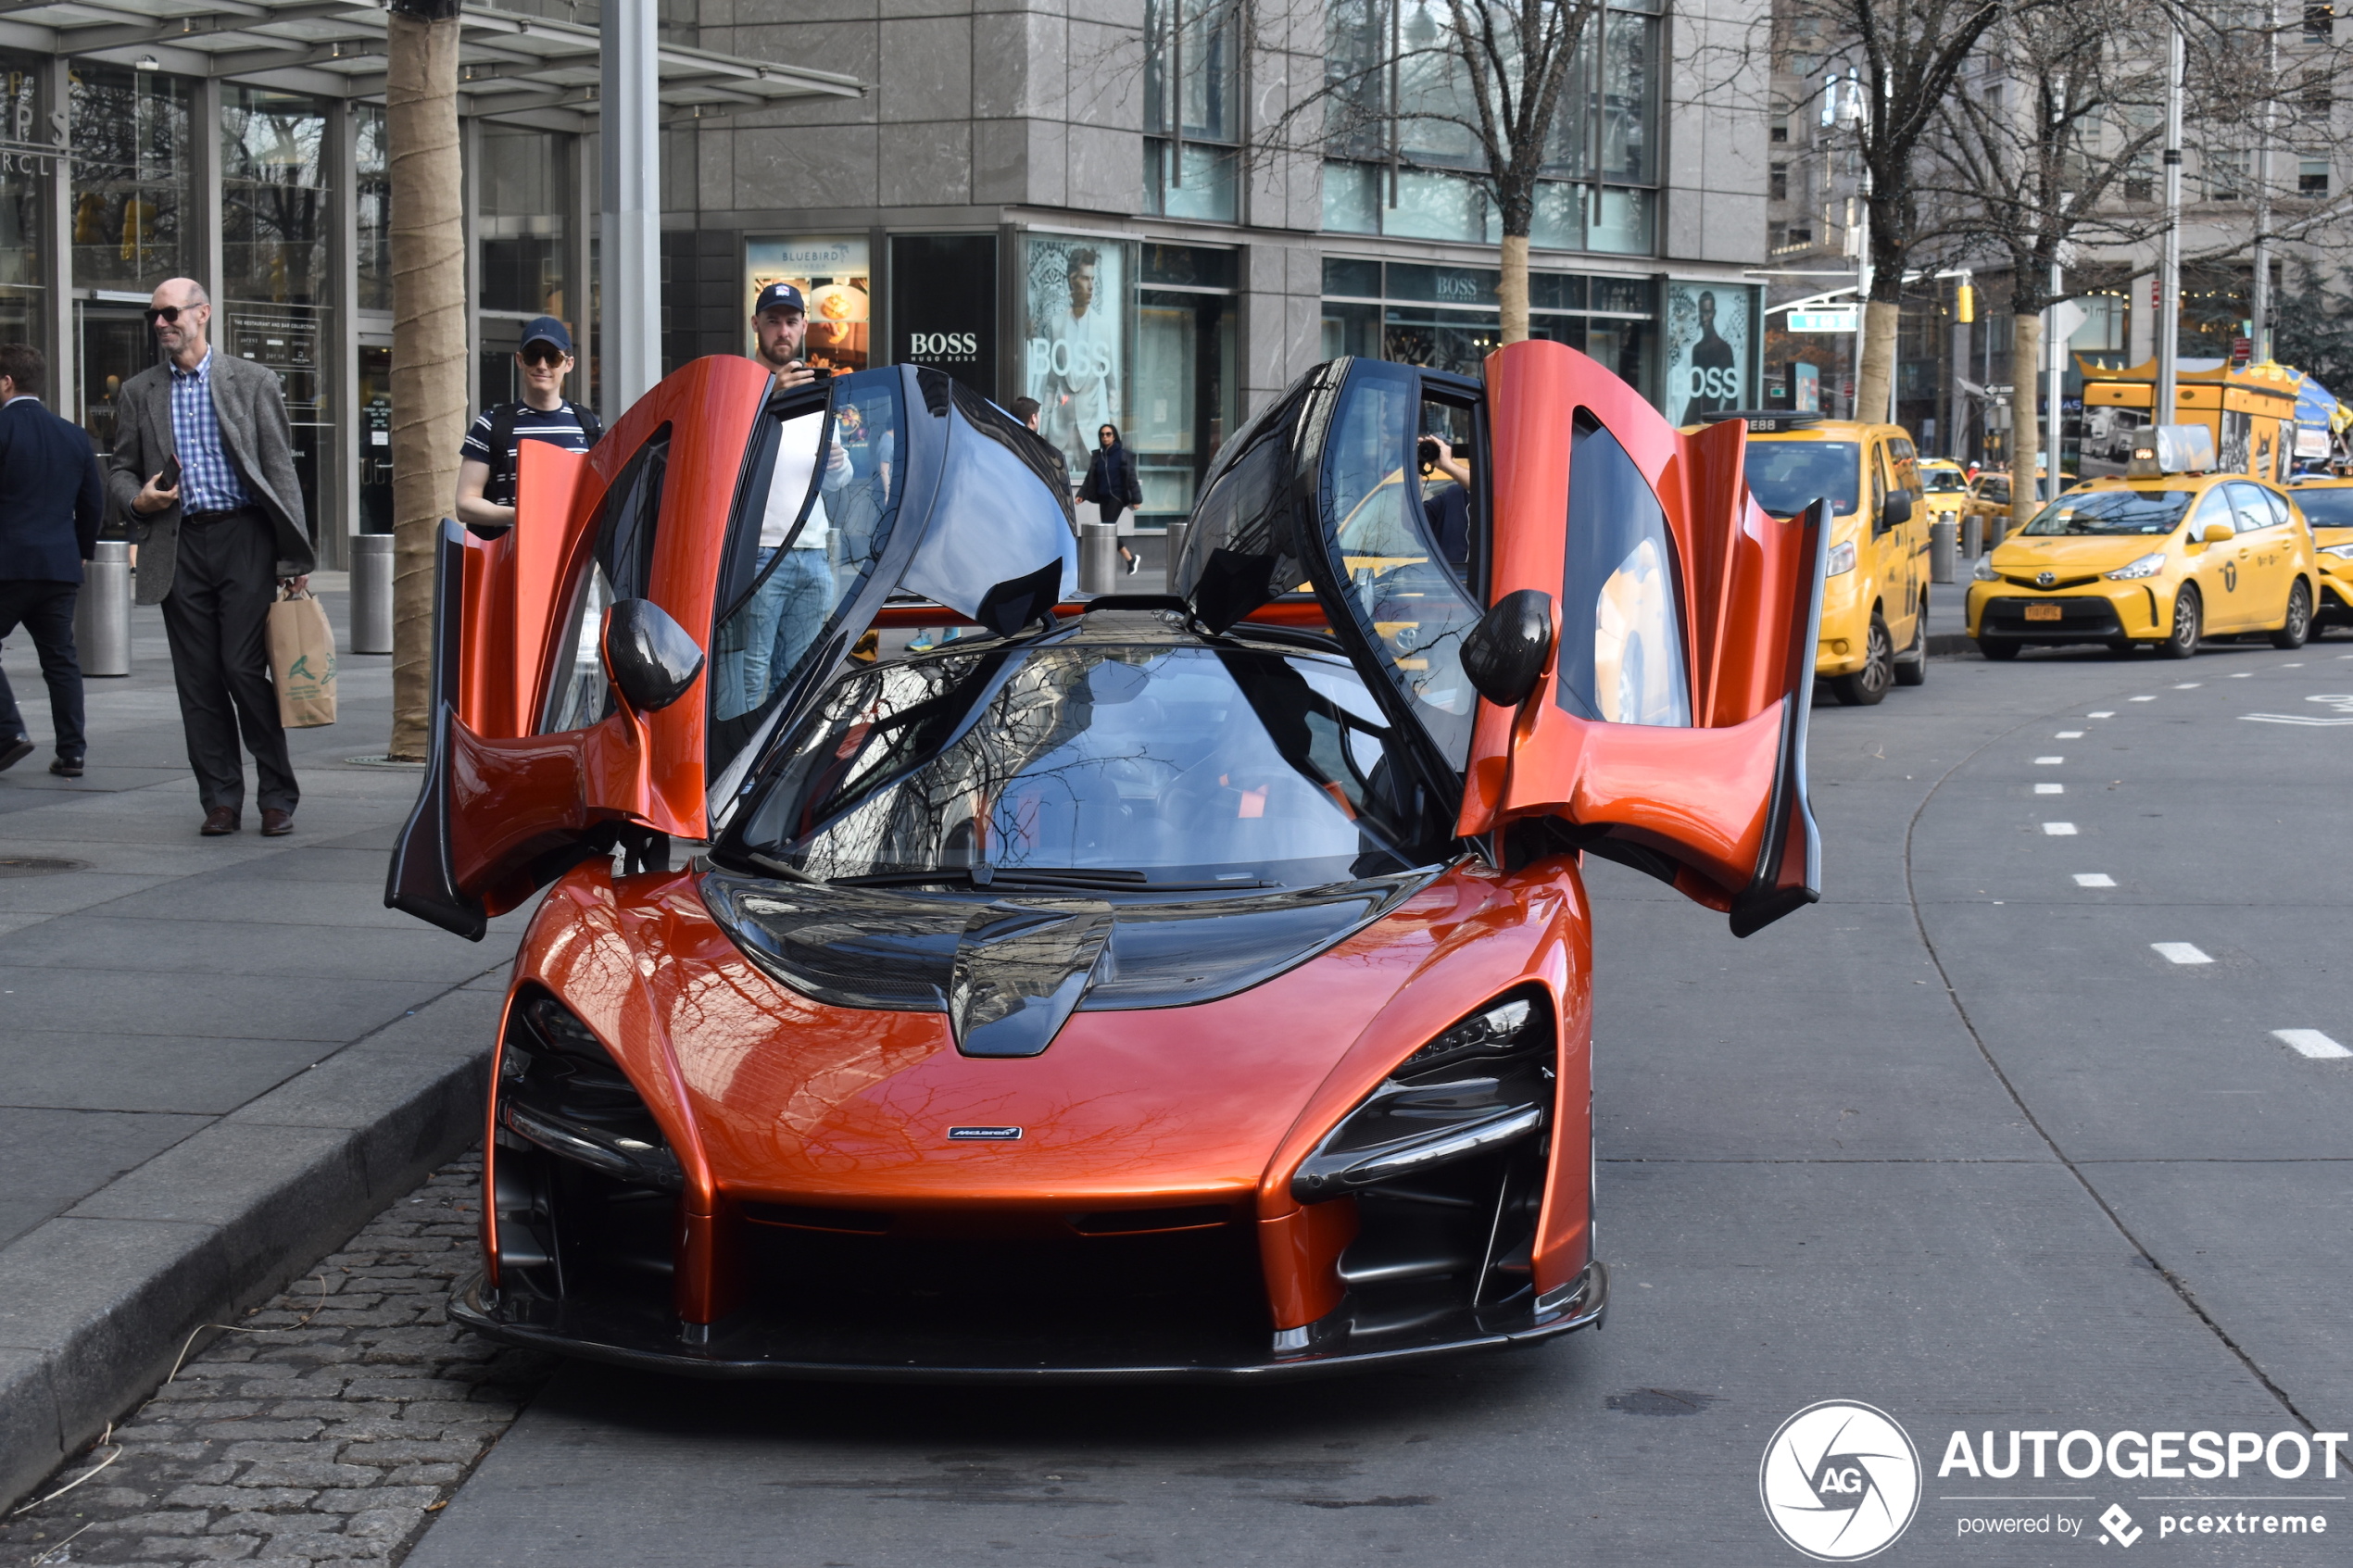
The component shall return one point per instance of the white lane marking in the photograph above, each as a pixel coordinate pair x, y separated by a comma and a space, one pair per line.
2059, 829
2181, 952
2292, 718
2140, 699
2298, 665
2187, 685
2048, 761
2244, 675
2069, 734
2094, 879
2050, 789
2110, 713
2309, 1042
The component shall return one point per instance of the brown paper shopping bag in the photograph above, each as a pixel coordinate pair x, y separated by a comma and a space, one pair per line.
302, 662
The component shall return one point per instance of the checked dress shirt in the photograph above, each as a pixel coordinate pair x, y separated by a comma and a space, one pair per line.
209, 480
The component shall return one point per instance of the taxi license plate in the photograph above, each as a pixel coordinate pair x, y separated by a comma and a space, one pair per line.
2041, 613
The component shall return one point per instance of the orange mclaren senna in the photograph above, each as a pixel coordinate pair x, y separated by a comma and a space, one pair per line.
1183, 987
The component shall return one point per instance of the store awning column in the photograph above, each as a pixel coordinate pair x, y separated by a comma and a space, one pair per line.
629, 336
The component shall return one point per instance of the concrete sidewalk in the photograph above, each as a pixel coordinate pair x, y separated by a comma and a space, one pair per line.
218, 1057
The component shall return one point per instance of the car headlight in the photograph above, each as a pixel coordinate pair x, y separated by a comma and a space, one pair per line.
2342, 552
1984, 571
2147, 565
1842, 558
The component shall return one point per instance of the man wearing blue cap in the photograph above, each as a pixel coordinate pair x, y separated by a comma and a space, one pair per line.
487, 464
780, 327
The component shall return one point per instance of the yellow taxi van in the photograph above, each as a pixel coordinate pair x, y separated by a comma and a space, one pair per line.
2327, 506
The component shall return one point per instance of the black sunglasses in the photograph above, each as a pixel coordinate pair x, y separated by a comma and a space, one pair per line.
542, 354
168, 314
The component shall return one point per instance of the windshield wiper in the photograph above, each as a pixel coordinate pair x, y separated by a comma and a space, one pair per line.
1041, 876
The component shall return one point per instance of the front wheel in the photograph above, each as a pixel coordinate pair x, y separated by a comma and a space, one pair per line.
1911, 665
1869, 685
2298, 624
2188, 617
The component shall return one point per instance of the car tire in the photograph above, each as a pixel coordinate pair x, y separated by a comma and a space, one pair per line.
2298, 627
1911, 665
1869, 684
2000, 653
2189, 620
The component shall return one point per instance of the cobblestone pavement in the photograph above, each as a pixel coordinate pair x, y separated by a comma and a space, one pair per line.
329, 1429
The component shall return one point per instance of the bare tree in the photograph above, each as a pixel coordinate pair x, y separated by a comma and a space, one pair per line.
428, 333
1471, 87
2044, 149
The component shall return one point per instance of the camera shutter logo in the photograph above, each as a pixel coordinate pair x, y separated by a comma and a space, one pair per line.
1841, 1481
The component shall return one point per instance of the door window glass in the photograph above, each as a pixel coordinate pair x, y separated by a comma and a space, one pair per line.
2215, 508
822, 486
1621, 641
2254, 511
1406, 600
621, 567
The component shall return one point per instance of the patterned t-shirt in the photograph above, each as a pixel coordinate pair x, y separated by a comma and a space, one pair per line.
558, 425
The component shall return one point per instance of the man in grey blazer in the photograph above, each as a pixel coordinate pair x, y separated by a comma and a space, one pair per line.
203, 467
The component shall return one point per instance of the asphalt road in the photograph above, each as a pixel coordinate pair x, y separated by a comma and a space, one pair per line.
1961, 1143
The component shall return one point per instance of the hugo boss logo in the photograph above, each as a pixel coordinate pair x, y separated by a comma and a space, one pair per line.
943, 346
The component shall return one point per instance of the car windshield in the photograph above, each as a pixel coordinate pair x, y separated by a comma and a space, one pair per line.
2111, 512
1787, 476
2326, 508
1941, 479
1151, 764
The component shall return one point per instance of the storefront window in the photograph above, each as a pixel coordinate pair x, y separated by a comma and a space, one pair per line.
25, 171
1184, 400
1074, 338
371, 205
1445, 317
274, 201
943, 305
834, 277
521, 221
1189, 149
130, 176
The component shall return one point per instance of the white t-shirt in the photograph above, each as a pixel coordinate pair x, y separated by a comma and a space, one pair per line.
796, 460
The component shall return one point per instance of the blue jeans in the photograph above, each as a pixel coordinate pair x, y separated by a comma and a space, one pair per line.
804, 585
765, 637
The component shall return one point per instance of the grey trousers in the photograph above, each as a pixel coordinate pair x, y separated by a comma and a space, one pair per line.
217, 617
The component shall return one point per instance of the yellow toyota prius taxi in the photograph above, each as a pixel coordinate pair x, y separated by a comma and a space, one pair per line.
2327, 504
2162, 558
1875, 598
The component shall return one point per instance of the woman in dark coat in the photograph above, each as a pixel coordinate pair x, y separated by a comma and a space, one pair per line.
1111, 483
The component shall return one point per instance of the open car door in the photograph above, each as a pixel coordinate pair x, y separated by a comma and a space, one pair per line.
608, 671
1651, 641
1616, 651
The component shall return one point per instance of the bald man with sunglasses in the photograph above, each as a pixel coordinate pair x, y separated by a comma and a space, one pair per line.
204, 467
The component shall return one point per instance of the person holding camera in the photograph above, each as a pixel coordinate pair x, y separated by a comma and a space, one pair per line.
780, 333
1446, 497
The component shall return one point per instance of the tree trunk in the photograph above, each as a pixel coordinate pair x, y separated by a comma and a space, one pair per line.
1875, 378
2026, 431
428, 342
1511, 289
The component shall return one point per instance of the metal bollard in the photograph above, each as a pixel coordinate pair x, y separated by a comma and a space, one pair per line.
1972, 536
102, 611
1941, 549
1176, 545
1099, 558
372, 592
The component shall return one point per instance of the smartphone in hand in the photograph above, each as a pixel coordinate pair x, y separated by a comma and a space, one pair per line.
169, 478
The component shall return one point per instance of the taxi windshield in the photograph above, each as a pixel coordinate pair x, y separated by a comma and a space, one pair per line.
1942, 479
1787, 476
2326, 508
2111, 512
1146, 765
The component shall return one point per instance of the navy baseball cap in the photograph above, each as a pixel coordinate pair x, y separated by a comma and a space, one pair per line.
546, 329
779, 296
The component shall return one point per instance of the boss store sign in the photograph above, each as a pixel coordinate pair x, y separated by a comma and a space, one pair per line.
943, 305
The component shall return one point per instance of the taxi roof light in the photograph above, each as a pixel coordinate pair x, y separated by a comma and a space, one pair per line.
2163, 449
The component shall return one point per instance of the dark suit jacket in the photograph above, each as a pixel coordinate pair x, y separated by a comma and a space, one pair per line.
251, 407
51, 500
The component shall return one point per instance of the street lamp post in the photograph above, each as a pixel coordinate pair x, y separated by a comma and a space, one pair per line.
629, 338
2169, 282
2258, 305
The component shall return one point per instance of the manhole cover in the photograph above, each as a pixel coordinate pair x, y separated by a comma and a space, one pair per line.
378, 761
38, 865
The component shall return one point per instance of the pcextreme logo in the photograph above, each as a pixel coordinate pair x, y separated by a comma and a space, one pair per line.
1840, 1481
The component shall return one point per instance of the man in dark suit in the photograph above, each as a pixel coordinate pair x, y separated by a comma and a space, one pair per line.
51, 503
204, 466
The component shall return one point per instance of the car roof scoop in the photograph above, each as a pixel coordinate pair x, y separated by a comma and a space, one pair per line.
1019, 972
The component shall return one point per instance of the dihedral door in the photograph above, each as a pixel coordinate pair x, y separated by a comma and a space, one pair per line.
1667, 730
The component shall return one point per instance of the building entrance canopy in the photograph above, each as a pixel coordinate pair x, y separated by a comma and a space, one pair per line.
509, 62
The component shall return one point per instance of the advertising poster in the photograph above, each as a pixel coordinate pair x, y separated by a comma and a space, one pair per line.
1707, 344
1074, 350
833, 276
943, 305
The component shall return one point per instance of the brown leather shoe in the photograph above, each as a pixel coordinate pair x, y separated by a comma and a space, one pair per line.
220, 823
276, 823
